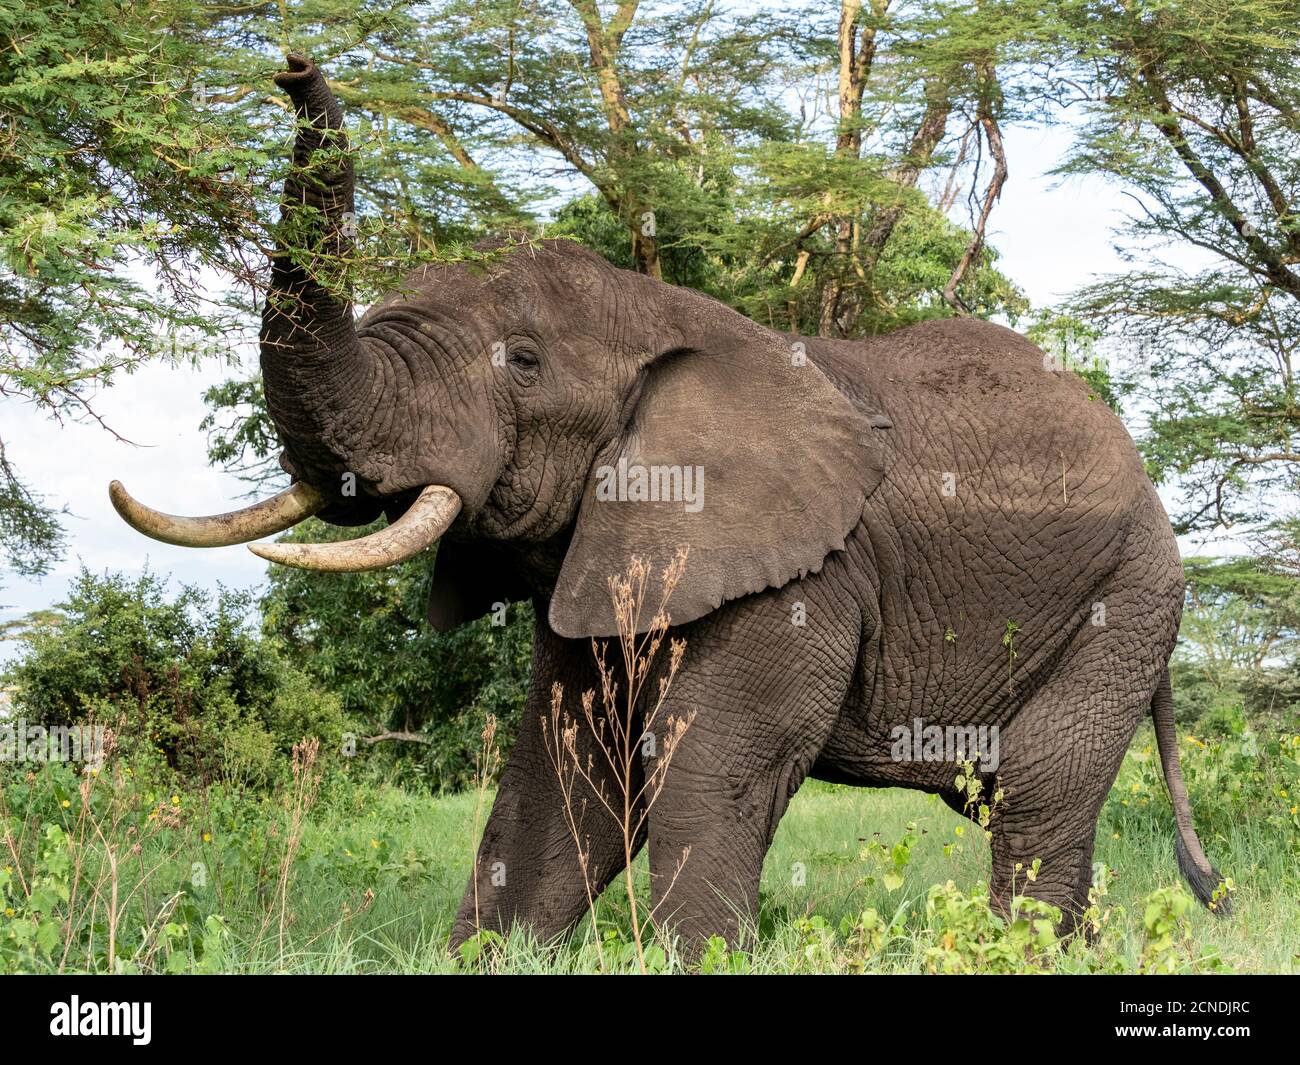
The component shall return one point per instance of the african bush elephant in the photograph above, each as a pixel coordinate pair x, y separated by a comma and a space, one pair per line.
928, 530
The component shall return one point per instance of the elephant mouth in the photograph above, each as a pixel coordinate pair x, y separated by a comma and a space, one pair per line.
423, 523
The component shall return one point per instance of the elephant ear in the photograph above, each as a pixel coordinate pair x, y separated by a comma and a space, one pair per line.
469, 580
772, 467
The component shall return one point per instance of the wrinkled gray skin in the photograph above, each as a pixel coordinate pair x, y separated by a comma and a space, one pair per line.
910, 494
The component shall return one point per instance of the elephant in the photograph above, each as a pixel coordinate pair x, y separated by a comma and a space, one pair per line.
931, 532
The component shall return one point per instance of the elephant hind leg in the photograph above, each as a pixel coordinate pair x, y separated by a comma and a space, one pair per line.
1059, 758
1061, 753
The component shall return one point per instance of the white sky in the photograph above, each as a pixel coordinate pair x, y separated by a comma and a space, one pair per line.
1052, 240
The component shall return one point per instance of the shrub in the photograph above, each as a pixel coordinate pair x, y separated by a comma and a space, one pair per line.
364, 637
182, 679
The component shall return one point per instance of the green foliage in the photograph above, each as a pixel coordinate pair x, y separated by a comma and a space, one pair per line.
683, 259
31, 539
180, 677
718, 960
478, 948
1167, 943
890, 861
67, 901
1241, 776
866, 937
117, 187
241, 435
108, 154
755, 273
1237, 645
1072, 345
364, 637
1197, 119
970, 938
380, 871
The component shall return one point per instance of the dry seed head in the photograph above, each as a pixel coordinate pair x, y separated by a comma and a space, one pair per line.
678, 650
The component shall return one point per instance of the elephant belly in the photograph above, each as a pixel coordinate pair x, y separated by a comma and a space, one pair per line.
975, 618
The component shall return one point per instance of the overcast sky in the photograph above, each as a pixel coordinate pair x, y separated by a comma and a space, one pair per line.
1053, 239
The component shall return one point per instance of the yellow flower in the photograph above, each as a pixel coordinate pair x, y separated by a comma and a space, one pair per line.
65, 804
9, 911
207, 837
176, 800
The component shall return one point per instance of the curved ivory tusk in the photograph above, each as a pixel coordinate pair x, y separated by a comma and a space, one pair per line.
272, 515
427, 519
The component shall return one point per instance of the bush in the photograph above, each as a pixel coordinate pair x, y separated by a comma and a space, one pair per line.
1238, 647
183, 679
364, 637
1241, 777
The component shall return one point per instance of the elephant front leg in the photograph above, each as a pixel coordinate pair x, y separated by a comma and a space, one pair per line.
706, 857
527, 871
760, 720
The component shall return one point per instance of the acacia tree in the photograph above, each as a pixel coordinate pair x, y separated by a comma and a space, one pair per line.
140, 151
1241, 617
1237, 644
118, 186
469, 118
900, 108
1195, 106
605, 96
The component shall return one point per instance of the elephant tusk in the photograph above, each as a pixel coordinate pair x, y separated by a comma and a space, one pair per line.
272, 515
427, 519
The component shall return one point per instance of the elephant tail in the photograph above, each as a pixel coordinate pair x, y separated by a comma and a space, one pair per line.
1200, 875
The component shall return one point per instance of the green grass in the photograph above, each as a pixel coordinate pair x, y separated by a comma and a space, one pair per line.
414, 853
856, 880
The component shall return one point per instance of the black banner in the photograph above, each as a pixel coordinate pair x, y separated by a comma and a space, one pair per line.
273, 1014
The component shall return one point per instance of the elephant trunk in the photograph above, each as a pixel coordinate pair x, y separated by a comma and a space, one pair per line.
312, 361
313, 366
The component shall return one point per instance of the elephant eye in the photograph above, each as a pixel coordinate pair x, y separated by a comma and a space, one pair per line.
525, 360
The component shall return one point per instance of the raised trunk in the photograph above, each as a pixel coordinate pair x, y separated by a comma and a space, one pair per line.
312, 362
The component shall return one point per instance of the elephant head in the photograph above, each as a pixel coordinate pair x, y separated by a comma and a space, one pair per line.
545, 404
